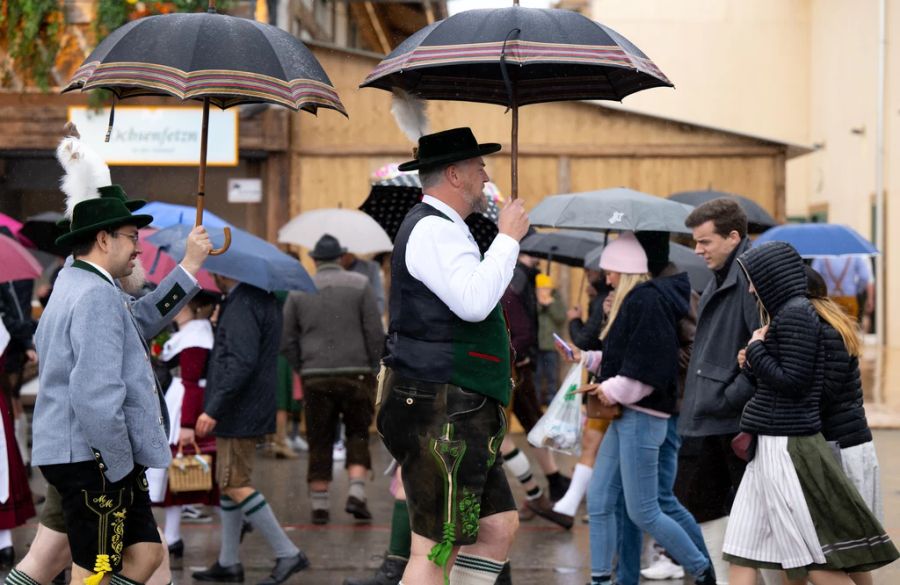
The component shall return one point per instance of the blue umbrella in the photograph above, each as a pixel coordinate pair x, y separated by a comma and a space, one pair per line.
169, 214
819, 239
249, 259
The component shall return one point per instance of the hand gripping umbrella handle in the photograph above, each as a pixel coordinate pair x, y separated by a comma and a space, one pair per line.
226, 230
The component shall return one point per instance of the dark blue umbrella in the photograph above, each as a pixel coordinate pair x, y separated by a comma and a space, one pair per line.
819, 239
169, 214
250, 259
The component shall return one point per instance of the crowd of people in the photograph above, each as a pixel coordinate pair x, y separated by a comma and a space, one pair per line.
726, 425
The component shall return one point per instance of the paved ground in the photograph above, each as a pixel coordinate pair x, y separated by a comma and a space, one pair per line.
542, 555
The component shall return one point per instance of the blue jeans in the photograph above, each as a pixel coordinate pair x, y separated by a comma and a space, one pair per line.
628, 467
632, 538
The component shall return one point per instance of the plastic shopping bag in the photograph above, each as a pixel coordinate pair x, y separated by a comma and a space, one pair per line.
560, 427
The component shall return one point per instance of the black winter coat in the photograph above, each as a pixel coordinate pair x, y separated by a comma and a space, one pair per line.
586, 334
788, 366
643, 343
843, 415
241, 380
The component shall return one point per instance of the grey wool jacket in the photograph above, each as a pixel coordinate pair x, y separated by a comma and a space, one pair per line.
336, 331
98, 393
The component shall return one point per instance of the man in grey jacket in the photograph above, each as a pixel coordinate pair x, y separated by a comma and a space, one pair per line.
715, 391
99, 420
334, 339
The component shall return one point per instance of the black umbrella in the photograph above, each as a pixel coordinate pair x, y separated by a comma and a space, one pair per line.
514, 57
221, 60
567, 247
43, 229
759, 219
391, 199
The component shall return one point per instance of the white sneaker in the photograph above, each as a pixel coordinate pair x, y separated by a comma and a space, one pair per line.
298, 443
663, 568
340, 452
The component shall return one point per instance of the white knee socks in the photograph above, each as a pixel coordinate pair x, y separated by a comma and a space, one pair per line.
581, 477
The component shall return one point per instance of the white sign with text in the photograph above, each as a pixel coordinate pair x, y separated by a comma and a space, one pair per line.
244, 190
164, 135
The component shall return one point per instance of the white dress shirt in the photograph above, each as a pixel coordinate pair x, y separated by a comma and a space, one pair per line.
443, 255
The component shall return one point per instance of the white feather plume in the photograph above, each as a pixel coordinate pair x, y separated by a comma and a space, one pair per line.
85, 170
410, 114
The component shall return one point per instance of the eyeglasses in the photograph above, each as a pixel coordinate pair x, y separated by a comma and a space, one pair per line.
133, 237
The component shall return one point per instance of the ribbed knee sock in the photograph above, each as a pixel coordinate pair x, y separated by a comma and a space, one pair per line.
260, 515
119, 579
474, 570
17, 577
358, 489
232, 520
172, 529
401, 533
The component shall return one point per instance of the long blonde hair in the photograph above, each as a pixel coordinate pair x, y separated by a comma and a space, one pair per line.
842, 323
627, 282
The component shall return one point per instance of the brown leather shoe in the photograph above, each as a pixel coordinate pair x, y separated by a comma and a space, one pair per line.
543, 507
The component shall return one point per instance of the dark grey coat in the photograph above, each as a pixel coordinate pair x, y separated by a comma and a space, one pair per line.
715, 392
241, 380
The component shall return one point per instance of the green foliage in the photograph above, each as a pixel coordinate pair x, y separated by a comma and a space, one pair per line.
32, 31
111, 14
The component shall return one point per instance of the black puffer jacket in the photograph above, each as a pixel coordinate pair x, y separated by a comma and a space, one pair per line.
843, 415
788, 365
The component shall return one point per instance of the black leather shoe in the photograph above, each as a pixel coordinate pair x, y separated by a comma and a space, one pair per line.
358, 509
320, 517
505, 576
708, 577
230, 574
176, 549
559, 485
285, 567
389, 573
7, 558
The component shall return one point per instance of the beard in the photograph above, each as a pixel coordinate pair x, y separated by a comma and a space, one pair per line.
134, 283
477, 201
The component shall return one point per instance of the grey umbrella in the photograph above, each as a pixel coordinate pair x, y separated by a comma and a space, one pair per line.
565, 246
618, 209
758, 219
682, 256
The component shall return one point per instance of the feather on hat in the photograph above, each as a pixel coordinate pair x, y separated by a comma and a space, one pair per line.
85, 170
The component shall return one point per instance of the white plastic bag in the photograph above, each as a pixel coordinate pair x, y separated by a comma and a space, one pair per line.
560, 427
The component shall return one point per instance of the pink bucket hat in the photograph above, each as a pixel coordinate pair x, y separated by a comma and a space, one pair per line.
624, 254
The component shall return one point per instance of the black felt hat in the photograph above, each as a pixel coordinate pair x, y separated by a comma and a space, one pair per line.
449, 146
327, 248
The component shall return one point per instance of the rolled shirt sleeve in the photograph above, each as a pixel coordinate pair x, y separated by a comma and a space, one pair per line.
443, 255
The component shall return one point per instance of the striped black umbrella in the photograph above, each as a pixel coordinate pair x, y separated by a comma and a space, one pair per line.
514, 57
218, 59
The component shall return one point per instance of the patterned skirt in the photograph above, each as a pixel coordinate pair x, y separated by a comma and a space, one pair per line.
796, 511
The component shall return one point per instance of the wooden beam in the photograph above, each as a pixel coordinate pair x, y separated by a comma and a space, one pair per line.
376, 26
587, 151
307, 20
779, 171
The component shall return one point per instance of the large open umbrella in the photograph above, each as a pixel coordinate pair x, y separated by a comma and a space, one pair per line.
355, 230
169, 214
218, 59
43, 229
567, 247
617, 209
16, 263
758, 219
514, 57
819, 239
158, 263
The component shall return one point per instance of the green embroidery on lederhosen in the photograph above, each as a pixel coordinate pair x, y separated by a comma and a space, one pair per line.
110, 510
448, 454
469, 512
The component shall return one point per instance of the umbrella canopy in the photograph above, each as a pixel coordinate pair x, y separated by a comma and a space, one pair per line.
758, 219
16, 263
158, 264
681, 256
611, 209
819, 239
395, 193
517, 56
567, 247
355, 230
169, 214
250, 259
226, 59
43, 229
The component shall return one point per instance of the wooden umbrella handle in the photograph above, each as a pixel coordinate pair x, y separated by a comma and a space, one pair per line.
226, 230
201, 181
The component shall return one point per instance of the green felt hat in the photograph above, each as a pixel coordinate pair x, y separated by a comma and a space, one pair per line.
112, 209
449, 146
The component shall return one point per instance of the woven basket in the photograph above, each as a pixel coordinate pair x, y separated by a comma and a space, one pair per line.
192, 473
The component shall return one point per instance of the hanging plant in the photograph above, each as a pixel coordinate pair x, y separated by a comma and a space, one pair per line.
32, 31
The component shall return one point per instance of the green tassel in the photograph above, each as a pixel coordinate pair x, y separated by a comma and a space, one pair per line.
440, 553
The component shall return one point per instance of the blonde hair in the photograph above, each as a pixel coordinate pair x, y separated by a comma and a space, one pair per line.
627, 282
842, 323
